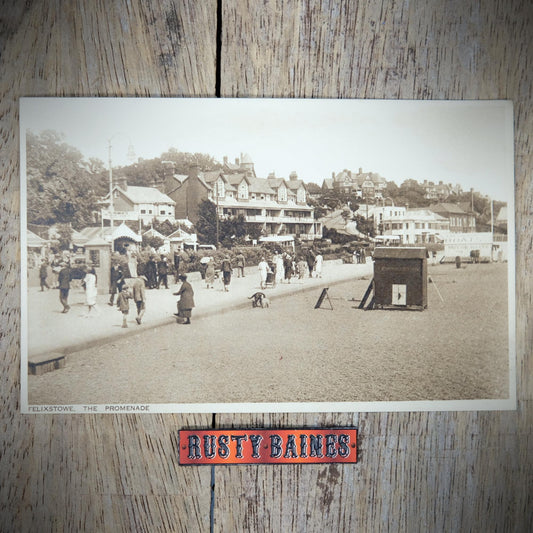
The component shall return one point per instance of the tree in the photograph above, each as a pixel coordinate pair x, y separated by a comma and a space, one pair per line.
206, 226
61, 185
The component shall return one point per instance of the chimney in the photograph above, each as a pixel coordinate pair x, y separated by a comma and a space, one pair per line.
271, 175
122, 182
237, 161
333, 175
225, 159
194, 171
293, 176
360, 170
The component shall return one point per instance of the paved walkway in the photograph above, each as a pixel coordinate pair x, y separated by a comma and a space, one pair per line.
50, 331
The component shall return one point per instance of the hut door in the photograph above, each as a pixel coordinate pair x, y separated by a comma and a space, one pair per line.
399, 294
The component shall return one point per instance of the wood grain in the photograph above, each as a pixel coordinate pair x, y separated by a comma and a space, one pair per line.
417, 471
92, 472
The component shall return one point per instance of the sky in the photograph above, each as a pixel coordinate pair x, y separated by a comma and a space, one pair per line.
464, 142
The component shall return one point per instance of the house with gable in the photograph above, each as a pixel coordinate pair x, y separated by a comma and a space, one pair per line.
142, 204
278, 206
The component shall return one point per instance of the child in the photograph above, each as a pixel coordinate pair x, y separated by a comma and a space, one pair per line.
123, 304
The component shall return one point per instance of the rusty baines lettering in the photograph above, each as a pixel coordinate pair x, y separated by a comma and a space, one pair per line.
268, 446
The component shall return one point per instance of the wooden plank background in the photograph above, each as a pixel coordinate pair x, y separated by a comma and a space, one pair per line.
468, 471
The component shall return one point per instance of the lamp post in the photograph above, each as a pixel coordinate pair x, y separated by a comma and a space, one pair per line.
131, 157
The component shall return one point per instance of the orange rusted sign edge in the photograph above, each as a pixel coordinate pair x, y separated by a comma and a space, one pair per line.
267, 446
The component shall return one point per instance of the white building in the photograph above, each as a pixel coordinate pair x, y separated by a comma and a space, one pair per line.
142, 204
414, 226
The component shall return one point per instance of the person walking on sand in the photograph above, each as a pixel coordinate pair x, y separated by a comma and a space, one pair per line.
310, 261
263, 272
123, 304
210, 274
186, 301
226, 272
63, 280
89, 282
139, 297
43, 274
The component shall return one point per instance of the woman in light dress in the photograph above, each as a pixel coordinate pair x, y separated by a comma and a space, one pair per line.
318, 265
210, 274
280, 271
90, 291
263, 271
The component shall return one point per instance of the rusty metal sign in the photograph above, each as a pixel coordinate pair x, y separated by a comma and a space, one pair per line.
268, 446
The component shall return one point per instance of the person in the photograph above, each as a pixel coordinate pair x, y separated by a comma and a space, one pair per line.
210, 274
310, 261
241, 262
302, 267
63, 281
177, 259
186, 301
123, 304
287, 266
132, 262
263, 272
226, 272
150, 271
318, 265
278, 265
89, 282
43, 274
162, 271
363, 256
117, 281
139, 297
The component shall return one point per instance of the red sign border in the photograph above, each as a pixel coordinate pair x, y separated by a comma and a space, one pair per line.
204, 461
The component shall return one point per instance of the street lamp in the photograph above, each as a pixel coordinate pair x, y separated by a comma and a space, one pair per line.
131, 157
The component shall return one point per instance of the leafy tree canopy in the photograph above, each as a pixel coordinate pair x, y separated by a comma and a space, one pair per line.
62, 186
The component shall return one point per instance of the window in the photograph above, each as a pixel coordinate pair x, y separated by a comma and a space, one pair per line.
243, 190
162, 212
94, 257
149, 211
143, 211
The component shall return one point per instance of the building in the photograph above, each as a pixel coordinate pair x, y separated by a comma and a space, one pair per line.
142, 204
414, 226
461, 221
439, 191
278, 206
369, 185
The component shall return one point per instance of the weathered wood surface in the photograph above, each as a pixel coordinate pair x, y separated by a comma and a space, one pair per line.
417, 471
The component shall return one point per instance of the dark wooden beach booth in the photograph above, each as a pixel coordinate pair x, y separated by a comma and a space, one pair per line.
400, 278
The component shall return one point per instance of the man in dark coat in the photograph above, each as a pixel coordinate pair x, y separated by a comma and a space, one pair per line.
162, 271
43, 274
150, 271
63, 281
227, 269
186, 301
117, 281
310, 261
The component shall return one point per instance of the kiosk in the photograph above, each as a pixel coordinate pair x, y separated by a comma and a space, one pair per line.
400, 278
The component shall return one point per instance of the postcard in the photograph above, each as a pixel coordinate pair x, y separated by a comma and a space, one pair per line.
266, 255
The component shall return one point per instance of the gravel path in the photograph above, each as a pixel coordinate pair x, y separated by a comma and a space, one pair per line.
454, 350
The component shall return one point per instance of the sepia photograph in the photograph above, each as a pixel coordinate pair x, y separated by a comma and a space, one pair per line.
266, 255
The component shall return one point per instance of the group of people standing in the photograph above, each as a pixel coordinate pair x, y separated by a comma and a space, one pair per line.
285, 267
359, 256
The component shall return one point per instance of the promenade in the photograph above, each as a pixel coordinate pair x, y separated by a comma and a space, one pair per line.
50, 331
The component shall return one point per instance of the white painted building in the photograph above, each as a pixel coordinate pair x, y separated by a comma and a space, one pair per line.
414, 226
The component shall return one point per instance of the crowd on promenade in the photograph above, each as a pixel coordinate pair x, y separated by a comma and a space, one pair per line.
129, 286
